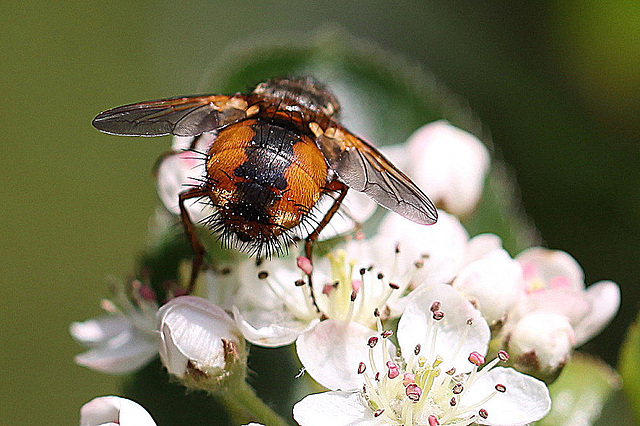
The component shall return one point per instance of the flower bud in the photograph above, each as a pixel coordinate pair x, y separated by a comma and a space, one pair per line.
114, 410
541, 344
452, 165
200, 343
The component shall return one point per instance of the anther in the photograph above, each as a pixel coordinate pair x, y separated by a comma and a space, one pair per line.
451, 371
299, 283
376, 312
453, 401
394, 371
380, 275
387, 333
501, 388
435, 306
438, 315
416, 350
373, 340
397, 248
361, 368
362, 271
263, 274
304, 264
433, 420
413, 392
503, 356
378, 412
483, 413
419, 264
377, 377
476, 358
470, 321
394, 286
457, 388
353, 296
408, 378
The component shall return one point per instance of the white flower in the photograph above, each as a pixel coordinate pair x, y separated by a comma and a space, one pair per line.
447, 163
199, 340
274, 305
436, 382
113, 410
541, 343
554, 282
492, 283
125, 340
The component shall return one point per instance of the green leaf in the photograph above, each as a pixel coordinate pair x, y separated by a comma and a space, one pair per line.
581, 391
630, 367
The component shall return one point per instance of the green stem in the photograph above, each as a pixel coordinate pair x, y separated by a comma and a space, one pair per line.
245, 406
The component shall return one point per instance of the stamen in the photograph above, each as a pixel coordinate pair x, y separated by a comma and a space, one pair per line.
300, 283
503, 356
483, 413
501, 388
394, 371
438, 315
378, 412
433, 420
413, 392
361, 368
262, 275
476, 358
435, 306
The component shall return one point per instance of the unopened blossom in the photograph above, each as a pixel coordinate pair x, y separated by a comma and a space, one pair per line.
441, 378
199, 342
275, 303
554, 282
114, 410
541, 344
124, 340
447, 163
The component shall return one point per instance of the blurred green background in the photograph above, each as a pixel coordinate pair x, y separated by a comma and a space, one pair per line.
556, 82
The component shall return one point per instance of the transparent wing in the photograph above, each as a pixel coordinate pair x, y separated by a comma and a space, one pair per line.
363, 168
183, 116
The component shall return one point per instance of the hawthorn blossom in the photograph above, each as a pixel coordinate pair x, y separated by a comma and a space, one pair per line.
447, 163
438, 380
124, 340
114, 410
556, 312
199, 341
275, 304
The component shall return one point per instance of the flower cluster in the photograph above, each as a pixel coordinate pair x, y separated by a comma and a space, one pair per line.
456, 300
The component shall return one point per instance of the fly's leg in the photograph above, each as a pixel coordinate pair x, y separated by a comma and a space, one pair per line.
341, 189
192, 235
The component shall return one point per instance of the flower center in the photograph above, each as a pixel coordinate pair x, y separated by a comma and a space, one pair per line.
412, 390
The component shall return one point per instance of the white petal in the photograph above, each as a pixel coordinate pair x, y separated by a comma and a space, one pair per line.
493, 283
332, 350
270, 328
98, 330
449, 164
526, 399
335, 409
455, 338
177, 172
192, 330
604, 300
113, 410
556, 269
124, 354
356, 208
481, 245
440, 247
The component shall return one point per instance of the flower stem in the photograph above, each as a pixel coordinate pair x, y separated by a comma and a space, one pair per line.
245, 406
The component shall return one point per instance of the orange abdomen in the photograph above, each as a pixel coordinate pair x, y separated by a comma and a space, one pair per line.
263, 180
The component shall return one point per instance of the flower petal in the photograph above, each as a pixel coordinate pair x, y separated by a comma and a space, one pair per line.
480, 246
439, 247
604, 299
525, 400
124, 354
270, 328
492, 283
114, 410
334, 408
552, 269
455, 338
96, 331
332, 350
